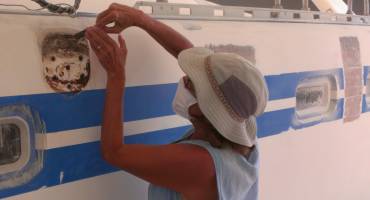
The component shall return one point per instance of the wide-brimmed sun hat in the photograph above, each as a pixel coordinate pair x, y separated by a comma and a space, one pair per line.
230, 91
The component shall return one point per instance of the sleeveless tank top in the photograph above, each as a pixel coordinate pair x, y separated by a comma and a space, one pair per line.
237, 175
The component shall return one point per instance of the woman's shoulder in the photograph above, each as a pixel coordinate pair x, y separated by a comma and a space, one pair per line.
226, 153
231, 167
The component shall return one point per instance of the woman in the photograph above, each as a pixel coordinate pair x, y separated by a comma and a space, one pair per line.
221, 95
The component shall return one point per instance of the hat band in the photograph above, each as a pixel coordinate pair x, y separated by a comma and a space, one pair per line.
219, 92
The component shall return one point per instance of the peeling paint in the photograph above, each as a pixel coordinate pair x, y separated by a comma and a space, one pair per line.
61, 177
66, 62
43, 187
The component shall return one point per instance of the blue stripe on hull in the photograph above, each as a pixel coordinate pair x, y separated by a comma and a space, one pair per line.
365, 106
84, 161
62, 112
275, 122
66, 112
366, 72
284, 85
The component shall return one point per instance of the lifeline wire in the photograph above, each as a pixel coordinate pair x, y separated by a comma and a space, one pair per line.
59, 8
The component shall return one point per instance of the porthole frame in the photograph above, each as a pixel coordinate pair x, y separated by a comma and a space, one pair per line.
25, 144
321, 112
32, 162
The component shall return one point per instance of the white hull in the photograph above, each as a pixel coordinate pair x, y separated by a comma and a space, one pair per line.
324, 159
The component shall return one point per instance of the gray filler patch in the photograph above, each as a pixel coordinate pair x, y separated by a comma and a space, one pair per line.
351, 56
246, 52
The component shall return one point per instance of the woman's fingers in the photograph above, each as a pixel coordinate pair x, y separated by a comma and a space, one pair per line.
104, 39
114, 29
93, 37
110, 17
102, 15
102, 55
98, 36
122, 43
99, 51
99, 45
109, 53
104, 46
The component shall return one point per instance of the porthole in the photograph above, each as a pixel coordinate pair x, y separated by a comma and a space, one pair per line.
316, 99
20, 159
10, 144
14, 144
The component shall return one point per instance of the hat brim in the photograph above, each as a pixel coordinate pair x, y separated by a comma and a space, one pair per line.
193, 63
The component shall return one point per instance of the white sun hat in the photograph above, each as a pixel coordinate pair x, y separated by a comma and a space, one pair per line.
230, 91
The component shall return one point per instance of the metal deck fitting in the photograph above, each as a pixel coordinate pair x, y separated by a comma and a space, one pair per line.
230, 13
233, 13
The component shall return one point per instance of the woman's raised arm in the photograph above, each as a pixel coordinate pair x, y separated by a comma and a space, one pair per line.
185, 168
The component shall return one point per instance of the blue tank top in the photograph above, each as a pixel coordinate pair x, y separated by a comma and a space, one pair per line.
237, 176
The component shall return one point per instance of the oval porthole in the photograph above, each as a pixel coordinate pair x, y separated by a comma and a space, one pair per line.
316, 99
20, 160
14, 144
10, 144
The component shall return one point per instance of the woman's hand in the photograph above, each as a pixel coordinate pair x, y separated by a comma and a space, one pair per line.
122, 16
111, 56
